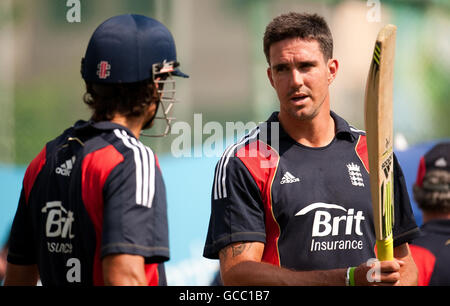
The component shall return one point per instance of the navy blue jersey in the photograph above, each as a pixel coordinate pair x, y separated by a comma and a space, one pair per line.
93, 191
431, 252
311, 207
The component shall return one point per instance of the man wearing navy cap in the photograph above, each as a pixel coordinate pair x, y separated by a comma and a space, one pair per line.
92, 210
431, 252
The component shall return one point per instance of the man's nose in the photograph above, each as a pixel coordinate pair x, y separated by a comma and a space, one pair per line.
297, 78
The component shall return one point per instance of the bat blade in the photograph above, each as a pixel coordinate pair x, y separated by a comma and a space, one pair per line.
379, 134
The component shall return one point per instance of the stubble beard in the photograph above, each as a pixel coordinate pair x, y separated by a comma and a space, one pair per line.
302, 114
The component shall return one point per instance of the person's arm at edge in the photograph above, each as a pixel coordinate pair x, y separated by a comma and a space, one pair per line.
124, 270
21, 275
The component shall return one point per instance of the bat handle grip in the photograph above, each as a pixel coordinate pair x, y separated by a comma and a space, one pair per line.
385, 249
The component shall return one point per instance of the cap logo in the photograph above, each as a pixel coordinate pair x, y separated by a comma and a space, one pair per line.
103, 71
441, 162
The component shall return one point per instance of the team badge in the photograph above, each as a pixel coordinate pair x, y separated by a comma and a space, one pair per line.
354, 172
104, 70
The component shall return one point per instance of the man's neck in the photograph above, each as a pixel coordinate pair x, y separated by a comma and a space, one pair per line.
134, 125
316, 132
430, 215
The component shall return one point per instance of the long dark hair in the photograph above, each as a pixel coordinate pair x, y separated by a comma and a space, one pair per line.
127, 99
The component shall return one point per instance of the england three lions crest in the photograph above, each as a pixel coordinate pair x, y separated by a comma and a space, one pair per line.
354, 172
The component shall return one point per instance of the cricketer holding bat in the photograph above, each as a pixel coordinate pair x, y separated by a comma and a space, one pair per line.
291, 201
93, 205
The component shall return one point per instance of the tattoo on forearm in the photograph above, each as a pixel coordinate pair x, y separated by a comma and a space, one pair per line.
240, 248
236, 249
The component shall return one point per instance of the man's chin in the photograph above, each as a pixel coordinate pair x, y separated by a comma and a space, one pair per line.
302, 115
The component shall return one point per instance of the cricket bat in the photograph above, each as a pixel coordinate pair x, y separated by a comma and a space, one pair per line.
379, 136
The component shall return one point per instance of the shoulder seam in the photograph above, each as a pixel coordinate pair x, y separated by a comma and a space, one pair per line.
220, 190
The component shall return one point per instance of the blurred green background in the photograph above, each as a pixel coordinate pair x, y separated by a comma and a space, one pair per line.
219, 44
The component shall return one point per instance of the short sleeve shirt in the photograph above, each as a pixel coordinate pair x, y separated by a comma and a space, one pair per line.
311, 207
93, 191
431, 253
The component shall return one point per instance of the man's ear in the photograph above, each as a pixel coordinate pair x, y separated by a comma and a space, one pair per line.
269, 75
333, 66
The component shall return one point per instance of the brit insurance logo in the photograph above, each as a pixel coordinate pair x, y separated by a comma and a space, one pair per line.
58, 232
58, 225
334, 227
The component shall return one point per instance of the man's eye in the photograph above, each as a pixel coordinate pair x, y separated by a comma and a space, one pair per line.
306, 66
281, 68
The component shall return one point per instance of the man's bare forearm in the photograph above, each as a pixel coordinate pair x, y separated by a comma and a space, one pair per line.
21, 275
241, 266
124, 270
251, 273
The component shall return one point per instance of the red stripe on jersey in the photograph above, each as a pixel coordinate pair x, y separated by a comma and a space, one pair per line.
32, 172
95, 169
361, 151
151, 272
156, 161
421, 172
262, 162
425, 261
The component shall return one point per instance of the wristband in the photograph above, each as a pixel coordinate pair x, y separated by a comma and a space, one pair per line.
350, 276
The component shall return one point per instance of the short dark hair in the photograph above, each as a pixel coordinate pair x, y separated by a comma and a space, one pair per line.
127, 99
434, 193
302, 25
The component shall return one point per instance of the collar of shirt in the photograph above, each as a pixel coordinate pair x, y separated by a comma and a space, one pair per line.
438, 226
342, 128
80, 126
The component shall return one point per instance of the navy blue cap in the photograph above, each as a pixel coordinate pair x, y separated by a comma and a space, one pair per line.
437, 158
124, 48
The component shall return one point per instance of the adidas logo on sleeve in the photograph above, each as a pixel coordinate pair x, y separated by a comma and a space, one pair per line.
288, 178
66, 167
